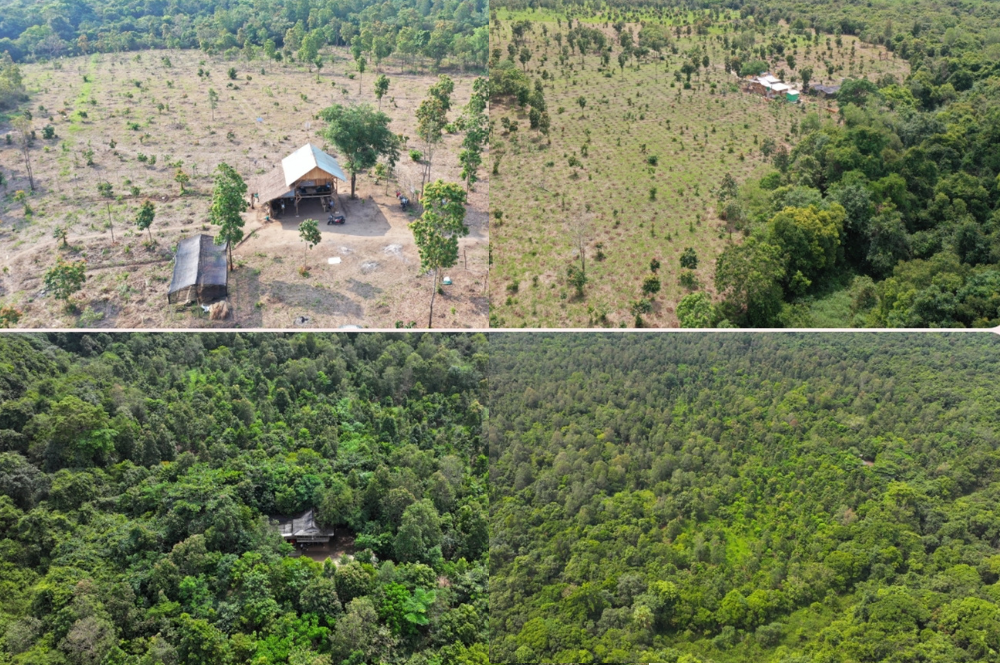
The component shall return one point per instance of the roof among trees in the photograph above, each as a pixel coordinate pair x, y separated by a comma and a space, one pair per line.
303, 526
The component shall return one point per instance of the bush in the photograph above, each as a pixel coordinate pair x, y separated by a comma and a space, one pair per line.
689, 259
416, 155
769, 635
651, 286
695, 310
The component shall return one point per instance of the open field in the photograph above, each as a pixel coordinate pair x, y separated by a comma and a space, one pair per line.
632, 172
119, 112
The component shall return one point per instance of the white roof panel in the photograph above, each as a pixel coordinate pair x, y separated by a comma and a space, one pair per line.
780, 87
770, 78
307, 158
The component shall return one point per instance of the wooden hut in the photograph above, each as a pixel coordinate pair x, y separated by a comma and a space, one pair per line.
201, 272
307, 173
303, 530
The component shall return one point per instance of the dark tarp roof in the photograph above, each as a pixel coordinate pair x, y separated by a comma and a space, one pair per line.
199, 263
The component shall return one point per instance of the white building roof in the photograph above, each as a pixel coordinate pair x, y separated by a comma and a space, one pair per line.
307, 158
793, 91
768, 78
780, 87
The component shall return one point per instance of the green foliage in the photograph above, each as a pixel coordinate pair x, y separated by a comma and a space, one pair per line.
362, 135
228, 201
381, 87
438, 229
65, 278
309, 233
689, 259
135, 510
144, 219
12, 90
792, 499
695, 310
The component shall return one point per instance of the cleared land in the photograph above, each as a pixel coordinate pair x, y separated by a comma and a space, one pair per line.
595, 179
120, 111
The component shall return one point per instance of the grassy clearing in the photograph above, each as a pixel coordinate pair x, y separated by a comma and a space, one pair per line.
638, 130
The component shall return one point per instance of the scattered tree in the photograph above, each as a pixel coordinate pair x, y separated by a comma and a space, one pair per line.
229, 200
310, 235
438, 229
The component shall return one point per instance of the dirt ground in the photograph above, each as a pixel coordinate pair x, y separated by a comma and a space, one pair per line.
340, 545
121, 111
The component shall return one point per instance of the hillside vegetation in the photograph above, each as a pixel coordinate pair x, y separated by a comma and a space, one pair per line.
743, 498
878, 210
435, 31
138, 473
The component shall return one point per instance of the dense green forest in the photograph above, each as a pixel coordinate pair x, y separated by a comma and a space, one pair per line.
742, 497
137, 474
408, 28
886, 213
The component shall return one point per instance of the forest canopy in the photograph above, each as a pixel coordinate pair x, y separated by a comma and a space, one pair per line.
744, 497
433, 30
138, 474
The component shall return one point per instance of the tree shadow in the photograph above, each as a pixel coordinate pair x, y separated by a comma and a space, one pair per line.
363, 218
318, 299
105, 309
363, 289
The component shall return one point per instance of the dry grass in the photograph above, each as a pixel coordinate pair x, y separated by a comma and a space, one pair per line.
696, 135
120, 96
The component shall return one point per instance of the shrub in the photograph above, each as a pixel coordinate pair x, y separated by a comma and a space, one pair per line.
689, 259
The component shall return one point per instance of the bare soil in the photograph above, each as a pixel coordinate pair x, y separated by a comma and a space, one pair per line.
119, 111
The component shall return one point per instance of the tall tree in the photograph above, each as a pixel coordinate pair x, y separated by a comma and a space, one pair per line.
144, 220
229, 200
431, 121
438, 229
381, 87
362, 135
475, 122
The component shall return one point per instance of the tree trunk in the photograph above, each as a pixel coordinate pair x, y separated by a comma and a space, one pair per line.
354, 178
430, 318
27, 165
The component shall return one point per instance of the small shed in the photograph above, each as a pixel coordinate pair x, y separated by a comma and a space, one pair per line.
303, 530
792, 95
200, 271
